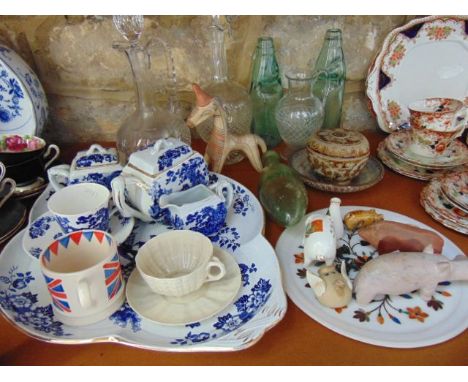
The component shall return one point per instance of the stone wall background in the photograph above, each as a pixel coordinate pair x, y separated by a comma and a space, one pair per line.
89, 84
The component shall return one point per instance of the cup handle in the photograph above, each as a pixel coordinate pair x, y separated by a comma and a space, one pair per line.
60, 170
12, 184
54, 157
2, 171
118, 195
84, 295
224, 188
221, 270
119, 234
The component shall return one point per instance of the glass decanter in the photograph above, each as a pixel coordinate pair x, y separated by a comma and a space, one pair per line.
148, 122
234, 98
329, 86
299, 113
265, 91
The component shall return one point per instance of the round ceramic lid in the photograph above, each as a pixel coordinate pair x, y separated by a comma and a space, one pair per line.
339, 143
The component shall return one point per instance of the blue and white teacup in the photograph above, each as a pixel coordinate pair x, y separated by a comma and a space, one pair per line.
82, 206
200, 208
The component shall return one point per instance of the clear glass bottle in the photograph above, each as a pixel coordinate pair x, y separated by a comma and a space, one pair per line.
265, 91
329, 86
148, 122
282, 194
235, 98
299, 113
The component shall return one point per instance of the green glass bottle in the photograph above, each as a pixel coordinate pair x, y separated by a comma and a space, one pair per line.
329, 86
265, 91
282, 194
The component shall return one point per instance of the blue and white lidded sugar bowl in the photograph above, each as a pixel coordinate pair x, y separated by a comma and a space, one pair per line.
95, 165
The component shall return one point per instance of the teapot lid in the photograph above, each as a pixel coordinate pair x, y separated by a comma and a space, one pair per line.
163, 155
95, 156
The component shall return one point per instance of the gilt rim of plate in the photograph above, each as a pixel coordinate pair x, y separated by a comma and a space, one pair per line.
438, 218
457, 148
299, 162
401, 167
450, 180
439, 212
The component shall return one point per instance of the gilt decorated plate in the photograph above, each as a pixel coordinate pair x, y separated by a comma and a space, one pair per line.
427, 57
404, 321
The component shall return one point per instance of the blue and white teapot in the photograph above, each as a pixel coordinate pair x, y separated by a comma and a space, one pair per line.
167, 166
95, 165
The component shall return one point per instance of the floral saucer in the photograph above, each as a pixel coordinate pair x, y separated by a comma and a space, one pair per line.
45, 229
441, 209
399, 144
404, 321
455, 188
404, 168
370, 175
209, 300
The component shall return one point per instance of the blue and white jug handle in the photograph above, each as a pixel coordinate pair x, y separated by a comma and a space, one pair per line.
224, 189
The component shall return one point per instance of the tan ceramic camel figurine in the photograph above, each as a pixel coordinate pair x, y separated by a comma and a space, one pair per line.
221, 142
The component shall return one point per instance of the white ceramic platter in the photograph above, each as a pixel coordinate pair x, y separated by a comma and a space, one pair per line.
404, 321
428, 57
259, 305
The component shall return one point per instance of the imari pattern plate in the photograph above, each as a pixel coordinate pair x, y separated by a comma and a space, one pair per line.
404, 321
428, 57
259, 304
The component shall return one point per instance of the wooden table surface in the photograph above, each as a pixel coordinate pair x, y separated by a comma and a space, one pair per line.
297, 339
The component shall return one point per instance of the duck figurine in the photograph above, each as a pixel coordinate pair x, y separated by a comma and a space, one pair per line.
332, 288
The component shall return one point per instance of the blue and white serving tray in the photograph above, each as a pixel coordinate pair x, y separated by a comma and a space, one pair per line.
259, 305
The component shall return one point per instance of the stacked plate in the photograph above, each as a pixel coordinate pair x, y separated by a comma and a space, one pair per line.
446, 200
395, 152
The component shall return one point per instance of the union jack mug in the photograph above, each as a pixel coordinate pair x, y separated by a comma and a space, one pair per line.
83, 277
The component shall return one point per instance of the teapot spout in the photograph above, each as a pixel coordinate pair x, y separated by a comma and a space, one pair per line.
337, 220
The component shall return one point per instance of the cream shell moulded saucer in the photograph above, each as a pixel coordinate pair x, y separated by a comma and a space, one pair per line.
204, 303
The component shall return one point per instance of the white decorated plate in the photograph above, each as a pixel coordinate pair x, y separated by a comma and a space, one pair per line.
259, 305
404, 321
399, 144
428, 57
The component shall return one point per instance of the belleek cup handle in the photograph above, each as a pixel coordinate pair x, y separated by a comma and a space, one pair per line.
215, 264
53, 173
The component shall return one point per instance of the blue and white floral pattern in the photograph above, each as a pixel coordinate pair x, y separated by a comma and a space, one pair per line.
126, 316
241, 203
10, 96
40, 227
246, 308
227, 238
103, 179
207, 221
98, 220
166, 160
15, 297
187, 175
245, 271
92, 159
26, 81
